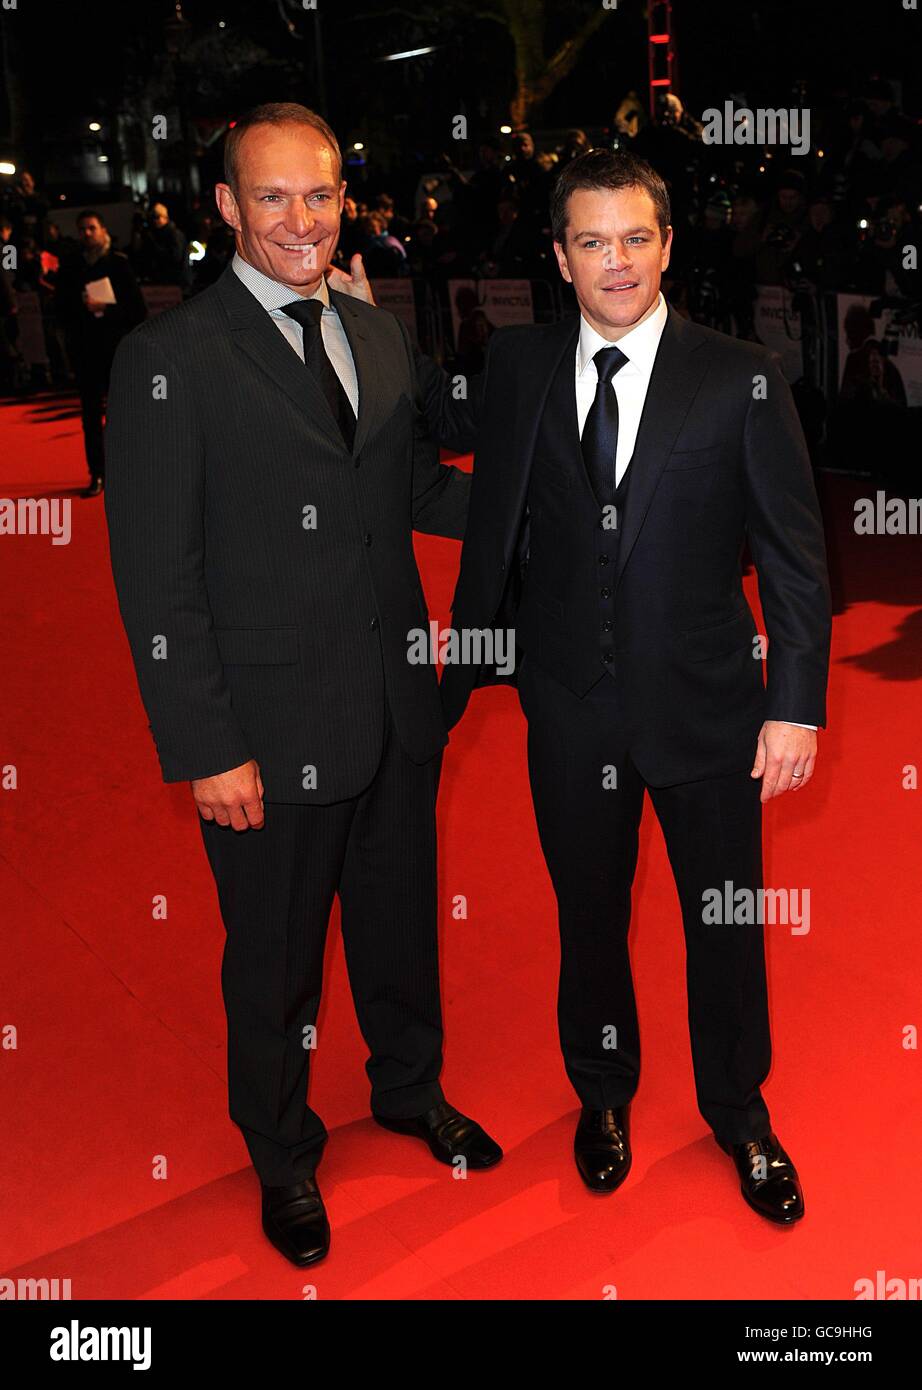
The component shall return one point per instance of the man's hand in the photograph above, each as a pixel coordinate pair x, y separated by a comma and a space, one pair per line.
231, 798
355, 284
783, 752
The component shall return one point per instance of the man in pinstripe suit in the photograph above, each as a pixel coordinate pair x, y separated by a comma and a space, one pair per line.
269, 462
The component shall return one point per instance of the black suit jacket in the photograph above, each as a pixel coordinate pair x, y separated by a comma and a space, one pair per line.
720, 459
276, 636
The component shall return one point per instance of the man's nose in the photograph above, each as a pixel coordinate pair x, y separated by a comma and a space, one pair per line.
300, 218
617, 258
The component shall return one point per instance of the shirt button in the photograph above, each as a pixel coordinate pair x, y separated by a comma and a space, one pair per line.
607, 625
603, 559
606, 592
606, 657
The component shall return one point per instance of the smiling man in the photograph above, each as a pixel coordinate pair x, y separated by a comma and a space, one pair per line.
623, 460
268, 467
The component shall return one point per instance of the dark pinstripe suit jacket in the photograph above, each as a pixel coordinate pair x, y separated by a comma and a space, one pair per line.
260, 629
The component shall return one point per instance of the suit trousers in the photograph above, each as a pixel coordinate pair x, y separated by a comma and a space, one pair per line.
276, 887
588, 828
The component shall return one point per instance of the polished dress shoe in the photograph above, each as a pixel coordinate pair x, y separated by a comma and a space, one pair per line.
93, 488
602, 1147
768, 1178
296, 1222
449, 1134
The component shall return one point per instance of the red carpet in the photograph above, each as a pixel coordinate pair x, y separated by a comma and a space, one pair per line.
118, 1072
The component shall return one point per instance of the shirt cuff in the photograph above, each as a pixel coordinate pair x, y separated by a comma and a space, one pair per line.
799, 726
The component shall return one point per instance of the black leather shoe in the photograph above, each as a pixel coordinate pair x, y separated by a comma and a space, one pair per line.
768, 1178
449, 1134
295, 1220
603, 1148
93, 489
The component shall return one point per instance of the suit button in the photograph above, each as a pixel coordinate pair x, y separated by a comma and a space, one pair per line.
607, 625
606, 592
606, 657
603, 559
367, 538
374, 624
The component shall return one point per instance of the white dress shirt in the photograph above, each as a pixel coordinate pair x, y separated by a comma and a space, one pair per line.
272, 295
630, 383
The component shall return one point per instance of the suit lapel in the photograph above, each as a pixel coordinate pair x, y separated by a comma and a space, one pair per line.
678, 368
533, 386
373, 402
255, 334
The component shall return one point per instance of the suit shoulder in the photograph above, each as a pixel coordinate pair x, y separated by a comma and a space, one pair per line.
518, 333
737, 352
181, 327
513, 338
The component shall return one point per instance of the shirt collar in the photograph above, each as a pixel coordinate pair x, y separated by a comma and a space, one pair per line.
639, 346
271, 294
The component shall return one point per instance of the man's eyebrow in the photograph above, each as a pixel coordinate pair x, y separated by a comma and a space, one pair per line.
633, 231
274, 188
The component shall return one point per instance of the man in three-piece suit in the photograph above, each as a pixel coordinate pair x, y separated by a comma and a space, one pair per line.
623, 459
268, 464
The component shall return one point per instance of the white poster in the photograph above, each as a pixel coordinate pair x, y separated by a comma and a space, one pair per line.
879, 360
397, 296
779, 328
489, 303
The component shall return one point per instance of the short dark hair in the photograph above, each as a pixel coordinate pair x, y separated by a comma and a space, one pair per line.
606, 169
274, 113
87, 213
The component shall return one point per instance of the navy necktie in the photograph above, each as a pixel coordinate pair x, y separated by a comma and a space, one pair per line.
600, 432
307, 312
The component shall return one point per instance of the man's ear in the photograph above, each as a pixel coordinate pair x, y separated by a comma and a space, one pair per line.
561, 255
227, 205
667, 248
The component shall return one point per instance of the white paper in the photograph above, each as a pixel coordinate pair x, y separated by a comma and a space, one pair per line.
99, 292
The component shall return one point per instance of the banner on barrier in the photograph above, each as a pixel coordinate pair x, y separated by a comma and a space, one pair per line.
879, 360
161, 297
31, 341
779, 327
397, 296
479, 306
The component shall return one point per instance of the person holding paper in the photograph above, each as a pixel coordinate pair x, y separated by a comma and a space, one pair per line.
97, 301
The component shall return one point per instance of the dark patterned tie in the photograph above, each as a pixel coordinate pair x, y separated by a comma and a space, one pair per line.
307, 312
600, 432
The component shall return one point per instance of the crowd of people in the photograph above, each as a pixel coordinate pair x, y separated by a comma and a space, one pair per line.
842, 217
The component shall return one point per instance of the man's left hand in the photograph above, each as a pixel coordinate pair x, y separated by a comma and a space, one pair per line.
356, 283
783, 751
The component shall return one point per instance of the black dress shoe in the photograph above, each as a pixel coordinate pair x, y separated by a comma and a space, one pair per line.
449, 1134
603, 1148
93, 489
295, 1220
768, 1178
